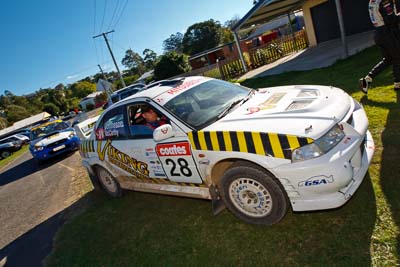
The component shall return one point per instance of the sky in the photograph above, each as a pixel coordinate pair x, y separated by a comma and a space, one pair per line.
47, 42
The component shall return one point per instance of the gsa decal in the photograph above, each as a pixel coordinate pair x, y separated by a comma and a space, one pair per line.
317, 180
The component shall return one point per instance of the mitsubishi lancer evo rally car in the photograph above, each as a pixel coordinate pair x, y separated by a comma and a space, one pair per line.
257, 152
51, 139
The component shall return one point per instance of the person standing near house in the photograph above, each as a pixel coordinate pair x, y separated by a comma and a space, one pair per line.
385, 17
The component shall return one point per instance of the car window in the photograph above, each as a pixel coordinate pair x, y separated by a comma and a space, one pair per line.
139, 127
113, 125
49, 128
201, 105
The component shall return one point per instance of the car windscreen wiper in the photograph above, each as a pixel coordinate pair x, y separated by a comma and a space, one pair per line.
230, 107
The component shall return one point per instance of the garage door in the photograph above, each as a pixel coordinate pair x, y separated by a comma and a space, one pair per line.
326, 24
325, 20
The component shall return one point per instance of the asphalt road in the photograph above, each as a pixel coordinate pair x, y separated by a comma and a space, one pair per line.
33, 202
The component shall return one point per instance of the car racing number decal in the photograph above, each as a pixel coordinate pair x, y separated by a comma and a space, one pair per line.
178, 162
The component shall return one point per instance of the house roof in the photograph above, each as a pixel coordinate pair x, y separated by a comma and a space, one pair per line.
266, 10
25, 122
200, 54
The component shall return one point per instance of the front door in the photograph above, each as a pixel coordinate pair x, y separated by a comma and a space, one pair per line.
171, 159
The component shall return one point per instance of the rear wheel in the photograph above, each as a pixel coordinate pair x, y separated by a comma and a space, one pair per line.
5, 154
108, 183
253, 195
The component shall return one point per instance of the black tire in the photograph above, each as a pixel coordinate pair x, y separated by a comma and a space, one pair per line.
253, 195
5, 154
108, 183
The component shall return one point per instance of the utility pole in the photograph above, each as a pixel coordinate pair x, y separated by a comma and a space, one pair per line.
102, 73
104, 34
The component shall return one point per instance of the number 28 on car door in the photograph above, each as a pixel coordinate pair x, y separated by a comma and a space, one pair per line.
178, 162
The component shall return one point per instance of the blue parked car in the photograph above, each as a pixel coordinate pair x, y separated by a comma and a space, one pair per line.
51, 139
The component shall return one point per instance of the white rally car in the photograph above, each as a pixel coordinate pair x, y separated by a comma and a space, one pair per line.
255, 151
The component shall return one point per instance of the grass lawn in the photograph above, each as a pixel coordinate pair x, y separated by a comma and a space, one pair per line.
153, 230
4, 162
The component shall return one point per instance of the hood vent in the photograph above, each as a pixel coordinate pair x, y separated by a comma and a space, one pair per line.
308, 93
299, 104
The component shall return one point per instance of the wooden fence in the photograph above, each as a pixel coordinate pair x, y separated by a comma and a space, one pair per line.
258, 56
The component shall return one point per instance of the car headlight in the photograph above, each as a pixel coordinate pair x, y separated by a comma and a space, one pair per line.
320, 146
72, 134
38, 148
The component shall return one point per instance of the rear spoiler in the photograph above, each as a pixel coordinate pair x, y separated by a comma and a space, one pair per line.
85, 128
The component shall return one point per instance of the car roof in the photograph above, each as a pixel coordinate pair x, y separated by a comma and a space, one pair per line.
129, 87
158, 88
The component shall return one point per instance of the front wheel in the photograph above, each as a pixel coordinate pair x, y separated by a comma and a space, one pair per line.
5, 154
108, 183
253, 195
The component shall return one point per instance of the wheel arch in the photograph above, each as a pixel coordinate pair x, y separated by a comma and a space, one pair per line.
220, 167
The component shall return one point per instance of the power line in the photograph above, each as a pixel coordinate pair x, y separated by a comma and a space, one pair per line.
113, 15
104, 14
120, 16
94, 21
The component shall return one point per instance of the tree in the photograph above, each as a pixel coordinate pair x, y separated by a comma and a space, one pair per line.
149, 57
231, 22
173, 43
3, 123
16, 113
201, 36
134, 62
52, 109
171, 64
82, 89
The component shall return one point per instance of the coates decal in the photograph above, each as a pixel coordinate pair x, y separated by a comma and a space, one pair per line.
172, 150
122, 160
317, 180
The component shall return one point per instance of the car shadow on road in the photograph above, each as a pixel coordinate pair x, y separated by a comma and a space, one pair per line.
29, 167
390, 165
31, 248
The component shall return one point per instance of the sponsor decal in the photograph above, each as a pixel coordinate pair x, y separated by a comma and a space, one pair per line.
122, 160
111, 133
270, 103
317, 180
174, 149
347, 140
182, 87
164, 130
115, 125
86, 128
100, 134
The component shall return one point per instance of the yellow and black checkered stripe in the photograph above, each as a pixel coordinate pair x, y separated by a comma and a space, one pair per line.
269, 144
87, 146
164, 181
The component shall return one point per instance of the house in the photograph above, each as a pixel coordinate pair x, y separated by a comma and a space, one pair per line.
324, 19
256, 36
89, 100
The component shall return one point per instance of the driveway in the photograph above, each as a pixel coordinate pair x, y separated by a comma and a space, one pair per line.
320, 56
33, 202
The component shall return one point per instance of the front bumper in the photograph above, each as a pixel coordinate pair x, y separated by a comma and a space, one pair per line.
329, 181
52, 151
336, 199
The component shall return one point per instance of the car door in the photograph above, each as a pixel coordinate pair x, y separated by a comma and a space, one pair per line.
112, 142
170, 159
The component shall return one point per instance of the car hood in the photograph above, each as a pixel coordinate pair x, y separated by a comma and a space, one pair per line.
52, 137
306, 110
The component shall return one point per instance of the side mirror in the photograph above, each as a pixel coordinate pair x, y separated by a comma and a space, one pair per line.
163, 132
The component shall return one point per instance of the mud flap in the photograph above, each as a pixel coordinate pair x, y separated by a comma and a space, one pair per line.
217, 203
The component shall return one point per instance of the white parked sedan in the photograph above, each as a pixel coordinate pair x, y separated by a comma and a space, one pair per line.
258, 152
